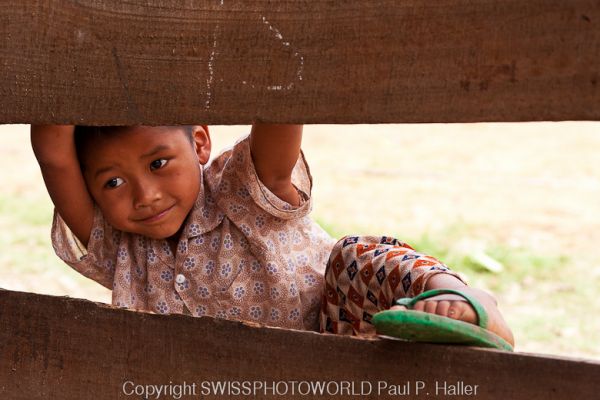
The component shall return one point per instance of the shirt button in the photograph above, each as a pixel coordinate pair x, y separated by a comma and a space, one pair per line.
180, 278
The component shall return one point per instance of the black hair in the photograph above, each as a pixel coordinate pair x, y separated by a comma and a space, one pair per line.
85, 136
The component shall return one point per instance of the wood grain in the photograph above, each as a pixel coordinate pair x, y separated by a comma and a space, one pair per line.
234, 61
61, 348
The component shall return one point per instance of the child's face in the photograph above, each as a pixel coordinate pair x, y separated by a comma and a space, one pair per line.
146, 179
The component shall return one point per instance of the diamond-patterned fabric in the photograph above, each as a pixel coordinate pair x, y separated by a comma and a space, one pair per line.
365, 274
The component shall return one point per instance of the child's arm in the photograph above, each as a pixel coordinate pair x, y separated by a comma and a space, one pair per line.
275, 150
54, 148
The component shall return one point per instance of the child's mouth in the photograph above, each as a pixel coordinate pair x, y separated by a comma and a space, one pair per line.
156, 217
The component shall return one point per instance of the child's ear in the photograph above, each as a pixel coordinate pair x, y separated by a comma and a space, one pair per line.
202, 144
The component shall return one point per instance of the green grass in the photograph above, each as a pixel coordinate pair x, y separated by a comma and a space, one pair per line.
519, 263
27, 258
26, 211
24, 229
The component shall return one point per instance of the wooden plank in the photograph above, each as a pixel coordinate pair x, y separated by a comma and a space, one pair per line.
234, 61
61, 348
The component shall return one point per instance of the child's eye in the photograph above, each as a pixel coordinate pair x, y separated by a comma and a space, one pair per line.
114, 182
156, 164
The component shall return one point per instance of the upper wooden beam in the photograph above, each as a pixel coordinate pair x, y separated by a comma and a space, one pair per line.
304, 61
60, 348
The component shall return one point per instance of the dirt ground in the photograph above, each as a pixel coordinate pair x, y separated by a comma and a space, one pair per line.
533, 186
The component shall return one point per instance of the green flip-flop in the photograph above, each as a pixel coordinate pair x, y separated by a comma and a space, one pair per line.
418, 326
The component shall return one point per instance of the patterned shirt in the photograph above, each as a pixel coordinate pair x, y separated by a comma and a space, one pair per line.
243, 254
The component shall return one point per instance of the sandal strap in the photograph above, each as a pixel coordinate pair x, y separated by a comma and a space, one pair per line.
482, 317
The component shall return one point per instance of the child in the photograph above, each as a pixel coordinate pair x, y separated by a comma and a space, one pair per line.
140, 210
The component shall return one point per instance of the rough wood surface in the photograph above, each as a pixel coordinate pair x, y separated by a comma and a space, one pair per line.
233, 61
61, 348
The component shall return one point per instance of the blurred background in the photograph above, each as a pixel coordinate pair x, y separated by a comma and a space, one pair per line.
515, 208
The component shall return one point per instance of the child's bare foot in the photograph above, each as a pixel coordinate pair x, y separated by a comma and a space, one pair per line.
455, 307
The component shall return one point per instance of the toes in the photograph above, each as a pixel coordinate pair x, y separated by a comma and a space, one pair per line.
442, 308
459, 310
419, 306
462, 311
454, 311
431, 306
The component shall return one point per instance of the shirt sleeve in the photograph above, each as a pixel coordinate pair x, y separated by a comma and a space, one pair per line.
97, 261
234, 175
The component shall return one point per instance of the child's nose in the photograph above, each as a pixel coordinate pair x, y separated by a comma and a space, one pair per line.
145, 193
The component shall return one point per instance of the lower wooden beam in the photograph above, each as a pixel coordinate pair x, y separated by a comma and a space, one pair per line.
63, 348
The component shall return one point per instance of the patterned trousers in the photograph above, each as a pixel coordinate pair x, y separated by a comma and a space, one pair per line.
364, 275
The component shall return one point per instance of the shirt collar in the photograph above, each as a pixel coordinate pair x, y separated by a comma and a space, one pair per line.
205, 215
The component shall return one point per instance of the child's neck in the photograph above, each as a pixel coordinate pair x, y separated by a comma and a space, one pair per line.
173, 241
172, 245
